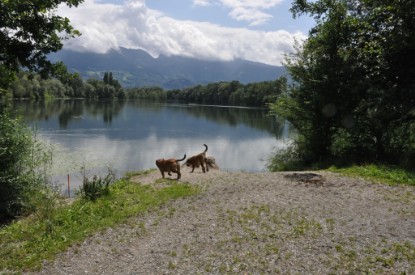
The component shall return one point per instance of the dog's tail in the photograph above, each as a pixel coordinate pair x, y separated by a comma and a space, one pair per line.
206, 148
182, 158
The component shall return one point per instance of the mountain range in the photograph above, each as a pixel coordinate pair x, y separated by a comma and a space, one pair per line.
137, 68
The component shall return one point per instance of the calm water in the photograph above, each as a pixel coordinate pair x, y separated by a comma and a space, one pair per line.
131, 135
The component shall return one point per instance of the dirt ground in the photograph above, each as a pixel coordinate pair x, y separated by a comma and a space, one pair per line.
259, 223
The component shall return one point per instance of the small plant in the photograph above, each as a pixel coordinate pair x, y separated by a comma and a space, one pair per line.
97, 187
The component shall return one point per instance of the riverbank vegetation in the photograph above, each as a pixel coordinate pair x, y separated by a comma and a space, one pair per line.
378, 173
353, 97
24, 161
49, 230
32, 86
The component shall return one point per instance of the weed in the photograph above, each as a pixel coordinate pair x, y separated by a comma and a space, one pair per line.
171, 265
97, 187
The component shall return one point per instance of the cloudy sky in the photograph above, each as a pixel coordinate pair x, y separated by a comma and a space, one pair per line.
256, 30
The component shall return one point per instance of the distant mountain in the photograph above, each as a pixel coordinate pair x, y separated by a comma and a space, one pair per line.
136, 68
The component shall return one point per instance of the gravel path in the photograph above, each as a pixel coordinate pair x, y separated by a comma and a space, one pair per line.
259, 223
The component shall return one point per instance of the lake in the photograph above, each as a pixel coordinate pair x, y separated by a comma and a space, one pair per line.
131, 135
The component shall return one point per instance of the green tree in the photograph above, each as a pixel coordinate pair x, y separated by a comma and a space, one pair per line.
106, 78
110, 79
350, 92
29, 30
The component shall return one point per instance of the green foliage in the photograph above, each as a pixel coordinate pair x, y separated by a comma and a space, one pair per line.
98, 89
30, 31
97, 187
24, 163
285, 159
147, 93
352, 101
232, 93
32, 86
26, 243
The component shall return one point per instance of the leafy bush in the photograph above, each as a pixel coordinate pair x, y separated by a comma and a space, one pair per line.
286, 159
97, 187
23, 168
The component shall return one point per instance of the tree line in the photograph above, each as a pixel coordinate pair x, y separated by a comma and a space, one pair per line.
33, 86
232, 93
219, 93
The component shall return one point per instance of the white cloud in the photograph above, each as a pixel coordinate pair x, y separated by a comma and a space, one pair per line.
202, 3
133, 25
252, 11
256, 17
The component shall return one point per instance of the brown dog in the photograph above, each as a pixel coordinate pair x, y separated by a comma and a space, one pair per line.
169, 165
198, 160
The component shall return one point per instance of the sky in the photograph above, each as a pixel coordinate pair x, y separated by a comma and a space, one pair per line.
256, 30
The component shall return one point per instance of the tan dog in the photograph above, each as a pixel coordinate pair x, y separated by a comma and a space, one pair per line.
169, 165
198, 160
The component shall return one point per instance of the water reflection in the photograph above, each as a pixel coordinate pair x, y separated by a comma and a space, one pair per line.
131, 135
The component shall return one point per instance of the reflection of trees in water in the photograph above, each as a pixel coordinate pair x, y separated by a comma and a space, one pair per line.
108, 109
251, 117
254, 118
36, 110
72, 109
68, 110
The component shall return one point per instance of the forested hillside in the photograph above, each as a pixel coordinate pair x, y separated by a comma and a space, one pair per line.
136, 68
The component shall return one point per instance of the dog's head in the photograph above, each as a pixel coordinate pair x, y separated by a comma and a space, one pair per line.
159, 162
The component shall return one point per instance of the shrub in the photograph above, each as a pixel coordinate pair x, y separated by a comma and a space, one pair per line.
285, 159
97, 187
23, 167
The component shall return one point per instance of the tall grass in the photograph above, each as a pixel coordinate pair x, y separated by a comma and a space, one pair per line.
25, 243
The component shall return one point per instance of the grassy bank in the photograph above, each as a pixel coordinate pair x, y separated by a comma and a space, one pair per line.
378, 174
25, 243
